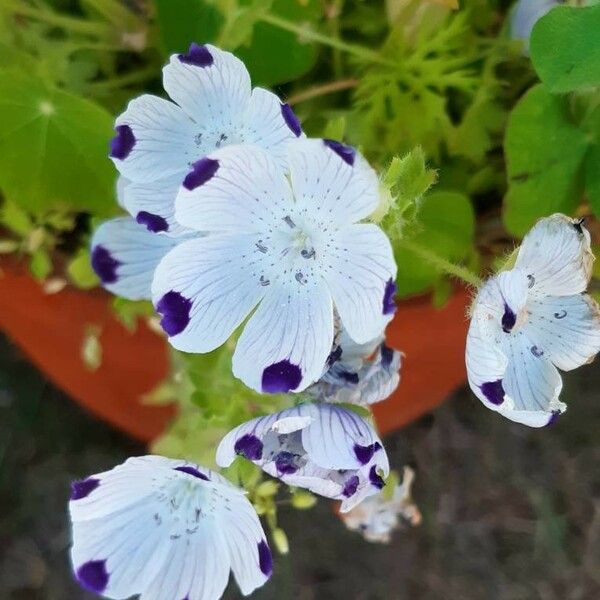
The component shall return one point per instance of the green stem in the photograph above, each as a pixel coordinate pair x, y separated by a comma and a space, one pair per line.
124, 80
441, 263
314, 36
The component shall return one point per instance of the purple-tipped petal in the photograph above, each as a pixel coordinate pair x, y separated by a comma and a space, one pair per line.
175, 310
509, 318
82, 489
265, 560
123, 142
291, 119
553, 418
346, 153
375, 478
389, 303
192, 471
493, 391
365, 453
249, 446
93, 576
153, 223
197, 55
350, 486
202, 170
286, 463
104, 264
281, 377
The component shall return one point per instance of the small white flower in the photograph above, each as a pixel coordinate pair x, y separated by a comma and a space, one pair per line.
530, 320
326, 449
165, 529
359, 373
288, 245
377, 517
214, 105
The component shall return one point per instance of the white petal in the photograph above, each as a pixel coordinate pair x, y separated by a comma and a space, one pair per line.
204, 289
237, 188
270, 124
566, 329
285, 344
211, 86
360, 275
291, 424
153, 205
556, 253
121, 186
332, 181
339, 438
124, 255
153, 140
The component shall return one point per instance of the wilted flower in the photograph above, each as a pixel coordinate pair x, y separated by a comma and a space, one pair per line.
290, 246
327, 449
530, 320
165, 529
378, 516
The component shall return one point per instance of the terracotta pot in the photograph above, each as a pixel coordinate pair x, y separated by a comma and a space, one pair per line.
51, 328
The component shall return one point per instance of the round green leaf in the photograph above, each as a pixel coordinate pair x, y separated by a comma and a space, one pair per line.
592, 178
544, 152
54, 148
565, 48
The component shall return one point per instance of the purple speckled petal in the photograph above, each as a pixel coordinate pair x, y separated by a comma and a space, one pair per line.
281, 377
192, 471
389, 303
350, 486
265, 560
493, 391
375, 478
202, 170
291, 119
93, 576
249, 446
123, 142
175, 310
365, 453
153, 223
286, 463
197, 55
346, 153
82, 489
104, 264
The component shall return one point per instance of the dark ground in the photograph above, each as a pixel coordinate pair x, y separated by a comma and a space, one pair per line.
509, 512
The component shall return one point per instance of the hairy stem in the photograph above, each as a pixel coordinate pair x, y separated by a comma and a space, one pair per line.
322, 90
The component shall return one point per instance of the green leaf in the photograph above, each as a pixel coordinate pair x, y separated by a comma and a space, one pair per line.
15, 218
446, 226
592, 178
80, 271
54, 148
40, 265
544, 152
565, 48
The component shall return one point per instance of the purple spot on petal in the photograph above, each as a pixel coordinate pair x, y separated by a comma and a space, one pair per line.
249, 446
202, 171
375, 478
365, 453
334, 356
286, 463
175, 311
350, 486
346, 153
291, 119
153, 223
348, 376
104, 264
265, 560
82, 489
122, 144
192, 471
389, 303
92, 576
493, 391
281, 377
553, 418
509, 318
387, 356
197, 55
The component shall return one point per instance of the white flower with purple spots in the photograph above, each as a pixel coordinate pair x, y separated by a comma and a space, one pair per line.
287, 249
166, 530
533, 320
359, 373
326, 449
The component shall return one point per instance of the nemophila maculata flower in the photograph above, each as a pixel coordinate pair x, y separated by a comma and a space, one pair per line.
165, 529
324, 448
358, 373
532, 320
288, 246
